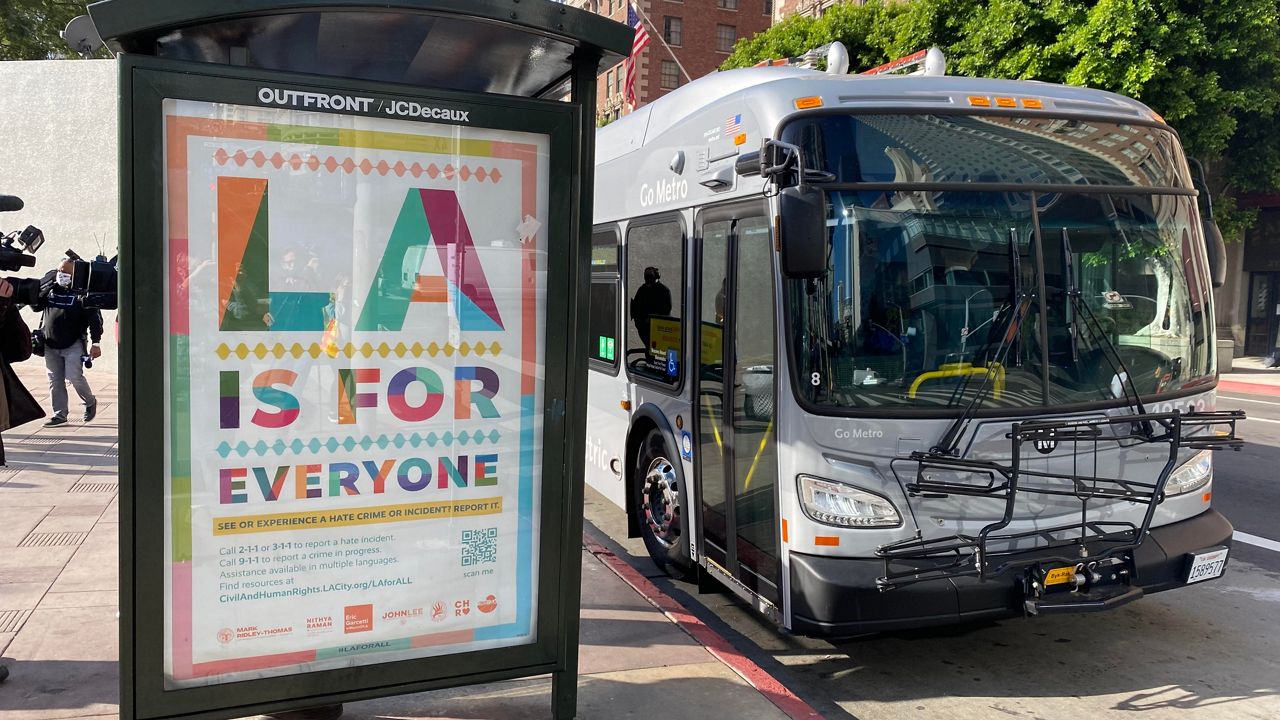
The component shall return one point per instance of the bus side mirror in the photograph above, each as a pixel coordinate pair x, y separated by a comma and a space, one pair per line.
1216, 250
802, 230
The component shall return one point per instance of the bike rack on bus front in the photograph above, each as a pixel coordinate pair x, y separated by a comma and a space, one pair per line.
992, 553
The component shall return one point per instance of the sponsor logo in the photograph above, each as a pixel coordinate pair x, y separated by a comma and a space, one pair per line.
437, 611
320, 624
357, 618
226, 635
1045, 446
320, 101
249, 632
413, 109
487, 605
403, 615
330, 101
462, 608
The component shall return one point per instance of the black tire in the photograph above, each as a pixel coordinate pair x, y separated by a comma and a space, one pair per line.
660, 502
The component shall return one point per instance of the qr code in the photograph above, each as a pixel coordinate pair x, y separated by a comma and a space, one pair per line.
479, 546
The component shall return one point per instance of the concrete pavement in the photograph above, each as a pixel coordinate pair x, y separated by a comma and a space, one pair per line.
58, 606
1250, 371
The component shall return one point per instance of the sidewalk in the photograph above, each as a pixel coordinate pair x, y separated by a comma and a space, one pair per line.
1249, 376
58, 603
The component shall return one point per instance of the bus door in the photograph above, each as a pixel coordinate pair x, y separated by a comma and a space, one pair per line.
736, 458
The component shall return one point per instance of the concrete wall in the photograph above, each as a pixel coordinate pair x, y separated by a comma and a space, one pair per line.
58, 152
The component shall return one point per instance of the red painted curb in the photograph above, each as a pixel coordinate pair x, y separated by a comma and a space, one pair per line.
1248, 388
766, 684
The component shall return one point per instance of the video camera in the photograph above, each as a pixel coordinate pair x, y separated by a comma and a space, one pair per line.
15, 257
95, 280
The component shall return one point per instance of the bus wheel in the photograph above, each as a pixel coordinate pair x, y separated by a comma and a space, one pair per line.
660, 504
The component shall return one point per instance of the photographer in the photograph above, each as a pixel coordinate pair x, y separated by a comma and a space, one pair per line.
65, 323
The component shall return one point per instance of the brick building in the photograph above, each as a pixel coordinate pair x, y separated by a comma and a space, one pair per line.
700, 35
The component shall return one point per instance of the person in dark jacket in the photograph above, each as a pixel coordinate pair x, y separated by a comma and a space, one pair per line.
652, 299
65, 323
17, 407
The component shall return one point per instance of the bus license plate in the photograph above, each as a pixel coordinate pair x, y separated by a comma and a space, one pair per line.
1207, 565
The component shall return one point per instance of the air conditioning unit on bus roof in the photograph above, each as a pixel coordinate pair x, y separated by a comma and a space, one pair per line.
924, 62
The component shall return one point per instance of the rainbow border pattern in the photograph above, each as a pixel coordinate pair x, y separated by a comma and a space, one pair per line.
179, 129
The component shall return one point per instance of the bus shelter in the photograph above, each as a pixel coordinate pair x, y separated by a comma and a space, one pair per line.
353, 263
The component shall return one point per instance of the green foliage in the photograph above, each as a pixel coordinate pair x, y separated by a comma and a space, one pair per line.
865, 30
29, 28
1209, 67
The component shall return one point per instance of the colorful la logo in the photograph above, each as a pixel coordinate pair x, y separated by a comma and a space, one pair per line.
428, 219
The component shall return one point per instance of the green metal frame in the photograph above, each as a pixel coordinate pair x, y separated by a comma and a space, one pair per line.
144, 83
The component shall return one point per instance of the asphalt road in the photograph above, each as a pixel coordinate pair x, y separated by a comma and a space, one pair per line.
1206, 651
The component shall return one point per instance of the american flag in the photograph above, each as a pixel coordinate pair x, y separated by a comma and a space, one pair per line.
640, 42
733, 125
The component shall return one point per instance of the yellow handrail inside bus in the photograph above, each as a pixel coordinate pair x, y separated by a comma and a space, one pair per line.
764, 441
950, 370
715, 426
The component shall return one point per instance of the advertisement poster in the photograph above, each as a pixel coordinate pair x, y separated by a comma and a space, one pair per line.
354, 364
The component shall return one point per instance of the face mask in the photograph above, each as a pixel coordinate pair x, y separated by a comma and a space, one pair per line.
63, 279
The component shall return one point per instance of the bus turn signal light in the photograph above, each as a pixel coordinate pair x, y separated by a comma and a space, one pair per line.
1032, 103
979, 101
1006, 102
808, 103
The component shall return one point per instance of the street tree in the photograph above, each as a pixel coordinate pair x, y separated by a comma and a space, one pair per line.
1207, 66
29, 28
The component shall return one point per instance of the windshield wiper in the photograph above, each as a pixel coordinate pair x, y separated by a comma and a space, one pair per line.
1069, 280
1018, 307
1078, 307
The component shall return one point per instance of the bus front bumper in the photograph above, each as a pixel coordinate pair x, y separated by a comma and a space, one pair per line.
838, 597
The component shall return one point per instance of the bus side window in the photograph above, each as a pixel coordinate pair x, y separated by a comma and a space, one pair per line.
655, 287
602, 344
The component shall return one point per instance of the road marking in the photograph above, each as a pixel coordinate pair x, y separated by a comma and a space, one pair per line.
1260, 402
1263, 420
1256, 541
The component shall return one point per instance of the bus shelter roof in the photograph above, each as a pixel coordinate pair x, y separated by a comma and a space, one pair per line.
525, 48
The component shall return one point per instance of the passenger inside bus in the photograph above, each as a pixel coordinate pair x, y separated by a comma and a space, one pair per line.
652, 299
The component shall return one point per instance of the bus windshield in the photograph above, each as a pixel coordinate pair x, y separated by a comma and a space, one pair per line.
916, 305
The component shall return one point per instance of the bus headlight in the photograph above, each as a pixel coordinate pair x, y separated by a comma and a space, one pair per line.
833, 503
1192, 475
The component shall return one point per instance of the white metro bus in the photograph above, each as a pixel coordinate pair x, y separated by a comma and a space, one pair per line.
879, 352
